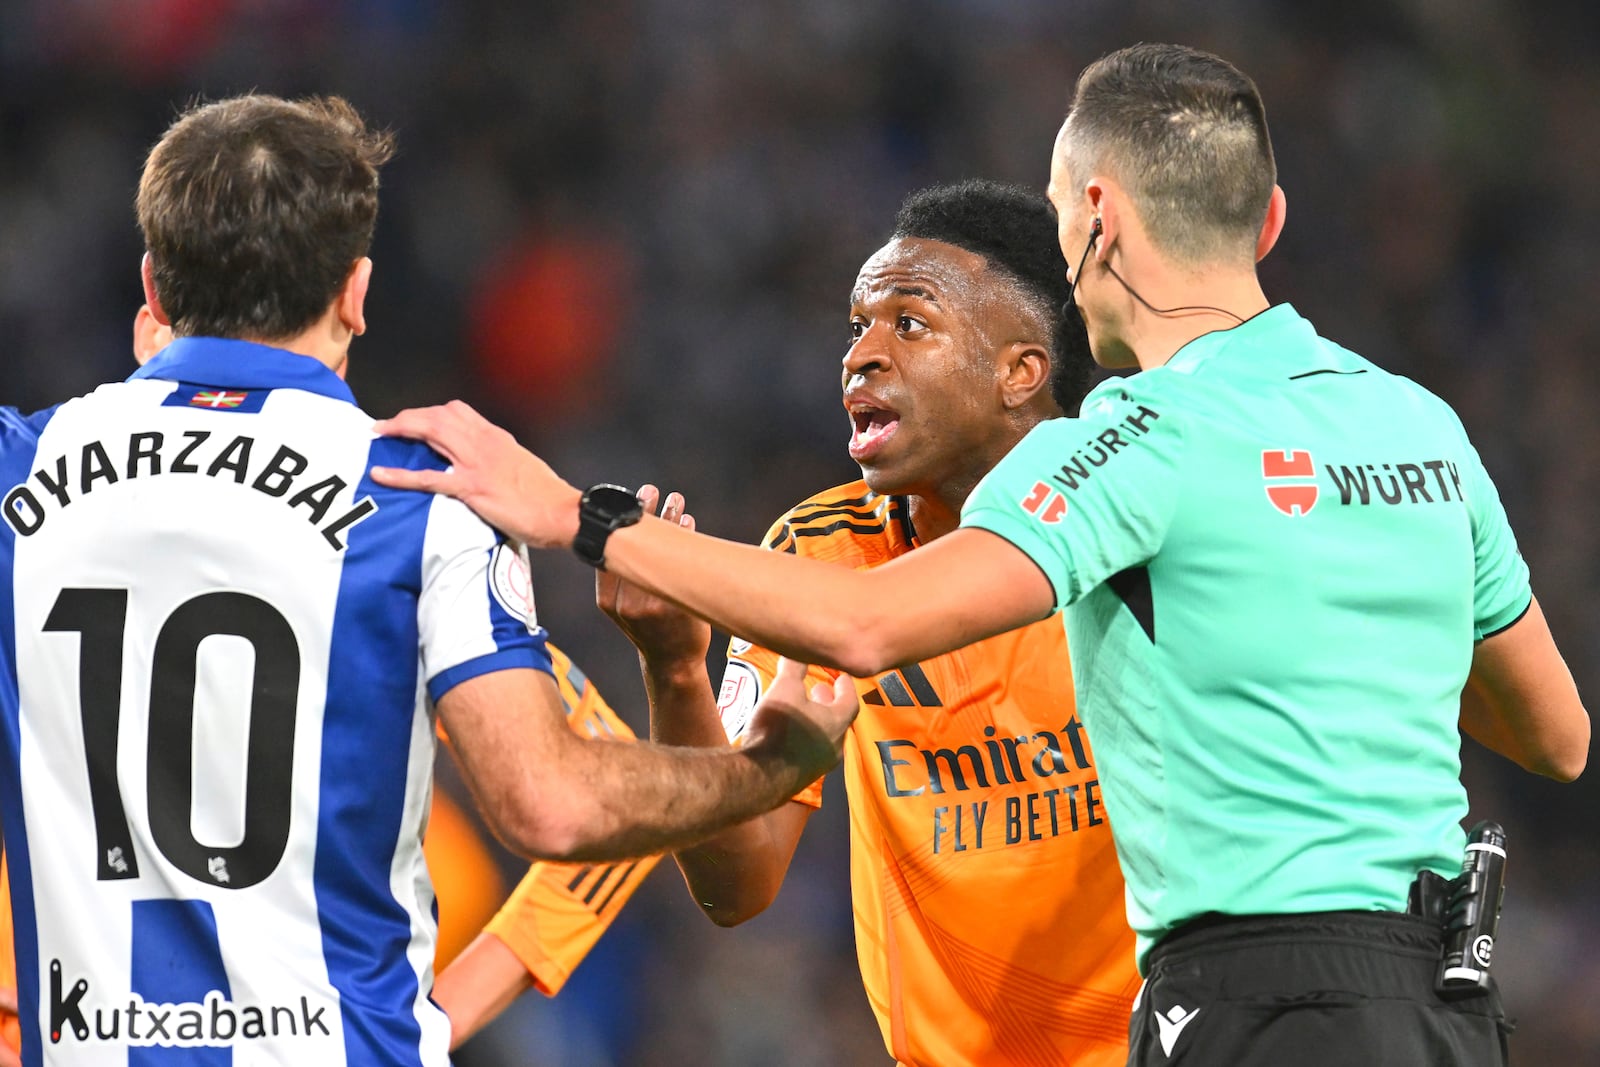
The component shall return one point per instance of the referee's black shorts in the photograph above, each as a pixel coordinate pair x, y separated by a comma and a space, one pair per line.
1330, 989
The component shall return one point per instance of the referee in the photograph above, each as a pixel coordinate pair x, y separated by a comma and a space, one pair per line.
1281, 566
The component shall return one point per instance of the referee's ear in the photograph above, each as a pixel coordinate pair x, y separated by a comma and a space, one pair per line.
1272, 225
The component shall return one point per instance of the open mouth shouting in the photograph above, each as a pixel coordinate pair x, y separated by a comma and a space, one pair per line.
872, 426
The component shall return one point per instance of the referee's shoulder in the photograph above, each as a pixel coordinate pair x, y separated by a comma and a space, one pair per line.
1421, 400
1159, 388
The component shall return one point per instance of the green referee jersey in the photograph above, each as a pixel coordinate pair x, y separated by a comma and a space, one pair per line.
1275, 558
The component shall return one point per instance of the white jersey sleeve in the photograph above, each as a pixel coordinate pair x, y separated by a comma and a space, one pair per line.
476, 612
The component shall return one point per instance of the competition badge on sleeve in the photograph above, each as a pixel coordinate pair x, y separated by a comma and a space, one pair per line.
741, 689
512, 583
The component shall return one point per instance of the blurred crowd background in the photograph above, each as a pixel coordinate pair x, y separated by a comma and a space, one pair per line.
627, 229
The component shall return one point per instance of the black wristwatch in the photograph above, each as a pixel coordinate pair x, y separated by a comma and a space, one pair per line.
603, 509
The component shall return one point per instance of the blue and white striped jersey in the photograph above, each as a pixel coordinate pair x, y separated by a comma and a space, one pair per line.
218, 644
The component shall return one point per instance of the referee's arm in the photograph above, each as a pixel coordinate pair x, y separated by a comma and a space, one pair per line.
1521, 701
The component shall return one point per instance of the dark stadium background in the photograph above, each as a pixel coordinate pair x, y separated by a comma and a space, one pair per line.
627, 228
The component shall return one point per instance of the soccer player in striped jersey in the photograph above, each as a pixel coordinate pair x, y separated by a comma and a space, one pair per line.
537, 938
221, 645
988, 902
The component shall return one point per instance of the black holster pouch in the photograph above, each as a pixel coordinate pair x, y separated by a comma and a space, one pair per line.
1429, 894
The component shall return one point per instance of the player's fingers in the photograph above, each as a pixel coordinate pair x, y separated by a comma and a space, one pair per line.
673, 507
791, 674
424, 481
686, 521
842, 693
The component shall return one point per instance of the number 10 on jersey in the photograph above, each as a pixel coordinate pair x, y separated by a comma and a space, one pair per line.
99, 617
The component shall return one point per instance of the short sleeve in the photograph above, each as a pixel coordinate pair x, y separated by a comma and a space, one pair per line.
1088, 497
559, 910
476, 611
1501, 591
587, 711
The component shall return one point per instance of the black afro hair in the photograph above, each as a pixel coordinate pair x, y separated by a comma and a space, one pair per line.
1014, 228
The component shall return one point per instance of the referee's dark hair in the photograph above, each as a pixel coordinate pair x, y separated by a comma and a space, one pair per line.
1186, 132
255, 209
1014, 228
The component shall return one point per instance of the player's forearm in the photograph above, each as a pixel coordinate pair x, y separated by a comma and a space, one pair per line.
478, 985
683, 709
618, 801
733, 875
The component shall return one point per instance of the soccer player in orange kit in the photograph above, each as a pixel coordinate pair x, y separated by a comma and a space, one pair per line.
988, 901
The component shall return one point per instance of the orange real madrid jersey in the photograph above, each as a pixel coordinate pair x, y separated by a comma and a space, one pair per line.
558, 911
988, 903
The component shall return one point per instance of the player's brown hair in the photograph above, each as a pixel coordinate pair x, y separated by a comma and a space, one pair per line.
1186, 133
255, 209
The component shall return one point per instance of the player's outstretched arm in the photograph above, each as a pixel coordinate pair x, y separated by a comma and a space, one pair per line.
10, 1053
736, 874
1521, 700
966, 586
552, 795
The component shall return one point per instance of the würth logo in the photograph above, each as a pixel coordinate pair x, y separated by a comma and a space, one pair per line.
1045, 504
1291, 481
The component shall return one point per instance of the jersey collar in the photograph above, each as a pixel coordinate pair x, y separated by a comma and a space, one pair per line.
1277, 321
242, 365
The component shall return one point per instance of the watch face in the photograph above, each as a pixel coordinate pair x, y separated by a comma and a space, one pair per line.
611, 502
602, 509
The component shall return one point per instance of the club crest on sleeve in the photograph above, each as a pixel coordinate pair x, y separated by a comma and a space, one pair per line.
512, 584
741, 689
1045, 504
1290, 476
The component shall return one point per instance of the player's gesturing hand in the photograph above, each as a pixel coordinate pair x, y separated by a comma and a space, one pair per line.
10, 1033
806, 730
512, 489
663, 633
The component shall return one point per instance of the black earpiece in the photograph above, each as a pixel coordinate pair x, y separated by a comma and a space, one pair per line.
1095, 231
